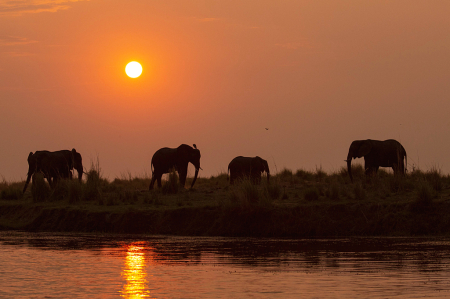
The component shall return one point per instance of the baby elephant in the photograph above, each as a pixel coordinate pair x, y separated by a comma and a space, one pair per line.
250, 167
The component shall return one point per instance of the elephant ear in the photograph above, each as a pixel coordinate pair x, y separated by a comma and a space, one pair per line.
266, 166
364, 149
258, 163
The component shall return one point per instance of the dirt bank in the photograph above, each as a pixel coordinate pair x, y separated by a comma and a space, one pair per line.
303, 221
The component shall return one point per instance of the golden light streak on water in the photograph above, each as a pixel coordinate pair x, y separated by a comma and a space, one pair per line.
135, 274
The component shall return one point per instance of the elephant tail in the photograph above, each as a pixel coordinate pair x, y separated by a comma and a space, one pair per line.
151, 166
406, 162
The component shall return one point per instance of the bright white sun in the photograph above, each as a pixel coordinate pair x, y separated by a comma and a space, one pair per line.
133, 69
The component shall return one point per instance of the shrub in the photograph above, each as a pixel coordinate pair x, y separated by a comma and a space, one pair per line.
285, 174
305, 175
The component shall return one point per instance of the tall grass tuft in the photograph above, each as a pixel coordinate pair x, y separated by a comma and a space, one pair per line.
434, 179
272, 189
304, 175
40, 190
285, 174
320, 174
171, 186
425, 193
92, 188
10, 191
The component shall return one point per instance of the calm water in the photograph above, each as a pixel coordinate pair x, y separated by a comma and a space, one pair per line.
49, 265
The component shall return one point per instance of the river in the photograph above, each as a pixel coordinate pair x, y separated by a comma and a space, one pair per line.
68, 265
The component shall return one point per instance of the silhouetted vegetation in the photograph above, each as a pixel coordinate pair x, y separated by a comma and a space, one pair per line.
301, 203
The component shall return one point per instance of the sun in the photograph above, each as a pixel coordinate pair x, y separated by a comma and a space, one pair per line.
133, 69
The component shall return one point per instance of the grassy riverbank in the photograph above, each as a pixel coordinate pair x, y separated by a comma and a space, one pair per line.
294, 204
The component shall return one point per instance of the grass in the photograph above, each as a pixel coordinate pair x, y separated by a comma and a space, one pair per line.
285, 187
322, 203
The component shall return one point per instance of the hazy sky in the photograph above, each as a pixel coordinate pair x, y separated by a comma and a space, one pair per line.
318, 74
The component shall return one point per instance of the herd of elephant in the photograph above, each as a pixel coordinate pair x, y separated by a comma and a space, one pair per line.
59, 164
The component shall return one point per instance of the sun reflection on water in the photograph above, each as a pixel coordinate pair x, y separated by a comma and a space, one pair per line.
135, 274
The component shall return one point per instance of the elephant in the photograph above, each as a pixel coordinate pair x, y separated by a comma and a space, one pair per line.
376, 153
54, 165
166, 159
251, 167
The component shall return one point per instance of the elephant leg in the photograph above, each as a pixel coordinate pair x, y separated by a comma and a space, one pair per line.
182, 176
158, 179
152, 182
402, 167
398, 169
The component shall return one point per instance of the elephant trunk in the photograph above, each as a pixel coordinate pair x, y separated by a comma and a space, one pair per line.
266, 169
27, 182
349, 167
80, 173
31, 169
195, 176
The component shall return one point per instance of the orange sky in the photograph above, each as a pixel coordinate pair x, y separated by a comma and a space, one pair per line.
318, 74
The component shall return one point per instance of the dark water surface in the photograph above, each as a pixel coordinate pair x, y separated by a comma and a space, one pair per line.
63, 265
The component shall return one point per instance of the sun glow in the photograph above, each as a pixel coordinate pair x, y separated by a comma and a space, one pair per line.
133, 69
135, 273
